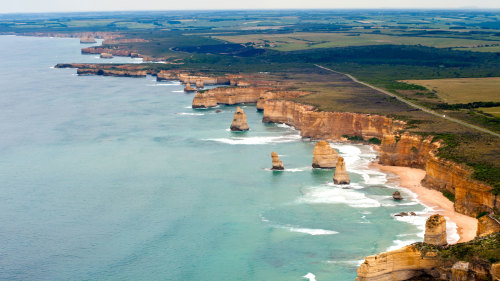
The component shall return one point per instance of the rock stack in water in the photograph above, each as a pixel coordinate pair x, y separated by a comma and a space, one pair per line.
277, 164
324, 156
397, 196
188, 88
341, 176
239, 121
435, 230
199, 84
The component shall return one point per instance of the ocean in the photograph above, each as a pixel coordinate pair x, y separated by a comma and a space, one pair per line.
112, 178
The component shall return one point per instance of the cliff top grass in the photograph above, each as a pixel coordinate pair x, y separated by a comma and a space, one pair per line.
482, 250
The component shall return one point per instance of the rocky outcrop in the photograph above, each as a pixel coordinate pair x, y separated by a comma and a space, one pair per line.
106, 56
277, 164
397, 195
111, 72
327, 125
495, 271
324, 156
239, 121
487, 225
435, 230
341, 176
200, 84
401, 264
87, 39
189, 89
228, 96
408, 151
114, 51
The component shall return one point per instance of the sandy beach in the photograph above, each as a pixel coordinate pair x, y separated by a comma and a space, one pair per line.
410, 178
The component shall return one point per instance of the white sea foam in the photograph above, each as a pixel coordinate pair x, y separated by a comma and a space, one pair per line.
181, 91
310, 276
190, 113
283, 125
418, 221
451, 232
257, 140
335, 195
400, 244
354, 263
311, 231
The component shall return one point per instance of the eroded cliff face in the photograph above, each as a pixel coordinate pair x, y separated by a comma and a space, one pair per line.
228, 95
401, 264
409, 151
487, 225
471, 197
327, 125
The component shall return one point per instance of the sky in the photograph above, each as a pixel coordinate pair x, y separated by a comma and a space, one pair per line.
42, 6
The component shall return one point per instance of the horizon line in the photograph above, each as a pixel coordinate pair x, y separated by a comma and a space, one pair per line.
482, 9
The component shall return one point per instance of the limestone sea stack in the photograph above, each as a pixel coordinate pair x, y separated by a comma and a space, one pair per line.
200, 84
435, 230
277, 164
106, 56
239, 121
341, 176
324, 156
189, 89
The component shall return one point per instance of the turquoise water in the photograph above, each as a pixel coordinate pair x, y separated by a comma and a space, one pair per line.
108, 178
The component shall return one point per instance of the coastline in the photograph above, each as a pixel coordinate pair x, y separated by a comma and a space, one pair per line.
411, 178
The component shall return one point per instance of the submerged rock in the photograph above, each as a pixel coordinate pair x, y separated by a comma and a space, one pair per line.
397, 196
324, 156
435, 230
277, 164
188, 88
239, 121
341, 176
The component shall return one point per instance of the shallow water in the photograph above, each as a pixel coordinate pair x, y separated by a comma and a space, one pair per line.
108, 178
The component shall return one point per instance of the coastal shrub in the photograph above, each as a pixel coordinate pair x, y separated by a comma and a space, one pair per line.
449, 195
482, 214
353, 138
375, 141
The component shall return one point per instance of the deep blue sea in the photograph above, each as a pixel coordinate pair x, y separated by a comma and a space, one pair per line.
110, 178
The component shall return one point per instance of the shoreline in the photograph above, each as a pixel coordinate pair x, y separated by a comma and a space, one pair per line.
411, 178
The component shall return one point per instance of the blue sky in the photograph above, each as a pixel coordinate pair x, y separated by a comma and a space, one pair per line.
20, 6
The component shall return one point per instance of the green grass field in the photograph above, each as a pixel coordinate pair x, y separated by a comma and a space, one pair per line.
304, 40
463, 90
495, 111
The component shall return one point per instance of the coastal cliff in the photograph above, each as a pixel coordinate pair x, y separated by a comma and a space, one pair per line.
400, 264
327, 125
227, 95
111, 72
434, 259
409, 151
471, 197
